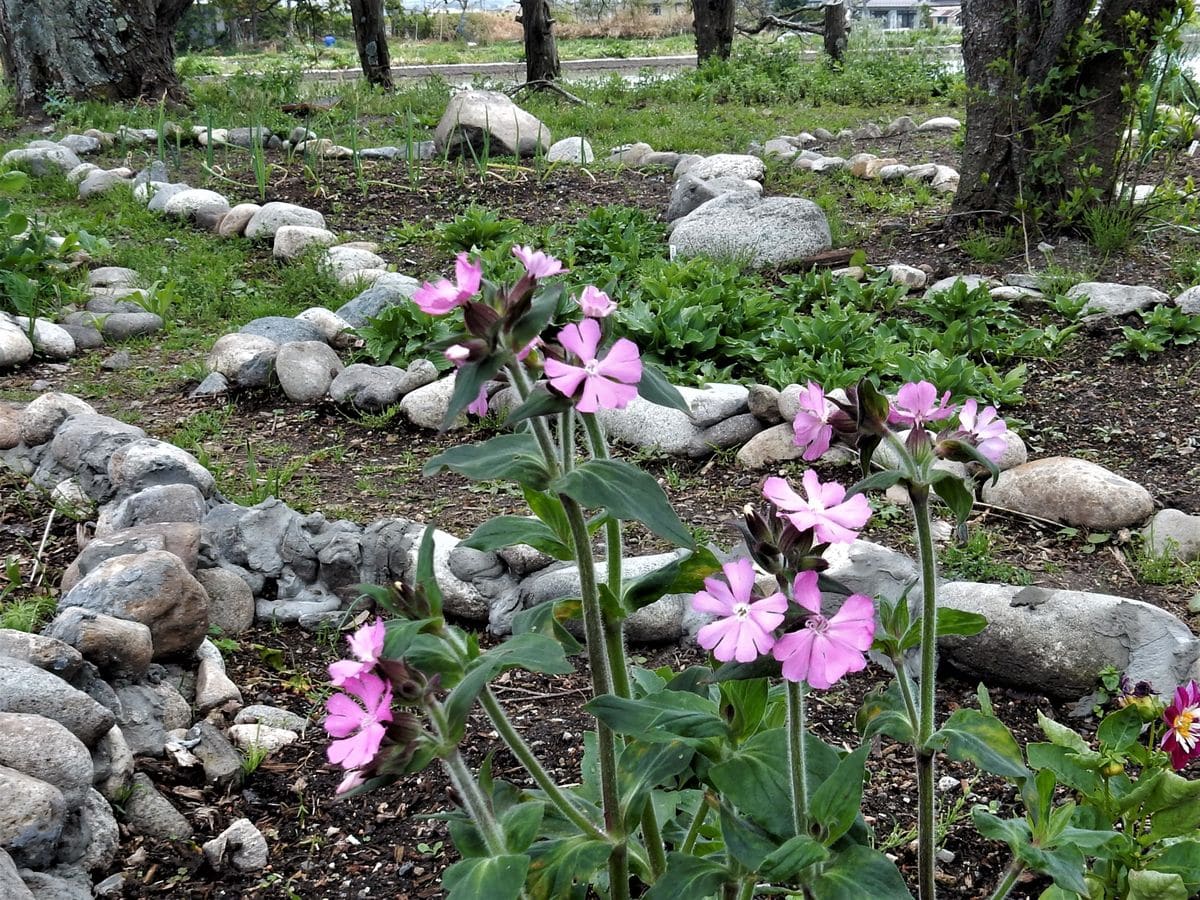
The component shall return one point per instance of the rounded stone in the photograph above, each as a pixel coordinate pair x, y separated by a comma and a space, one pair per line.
306, 369
110, 644
1072, 491
293, 241
15, 347
32, 818
282, 329
272, 216
24, 688
234, 222
41, 650
49, 339
230, 600
149, 463
44, 749
46, 412
195, 202
336, 331
245, 360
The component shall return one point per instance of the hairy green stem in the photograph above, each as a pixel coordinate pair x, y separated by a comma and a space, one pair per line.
797, 756
749, 883
693, 832
475, 803
520, 382
926, 818
525, 755
566, 439
1011, 874
905, 684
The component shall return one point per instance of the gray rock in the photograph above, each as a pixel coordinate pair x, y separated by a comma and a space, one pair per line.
195, 203
466, 599
1170, 532
118, 326
11, 885
770, 446
261, 737
426, 406
234, 222
118, 362
49, 339
910, 276
156, 171
1056, 642
1072, 491
32, 818
80, 144
60, 886
736, 165
148, 812
222, 764
306, 369
148, 463
42, 161
282, 329
475, 118
248, 137
732, 432
869, 132
1189, 301
42, 748
664, 158
46, 412
40, 650
690, 192
10, 426
85, 336
240, 846
112, 645
387, 291
645, 424
523, 560
24, 688
157, 194
864, 567
900, 125
213, 687
780, 148
335, 330
99, 182
15, 347
112, 762
272, 716
940, 123
244, 360
91, 839
571, 150
230, 600
154, 588
757, 232
633, 154
149, 710
81, 448
763, 402
293, 241
180, 538
345, 260
971, 281
1106, 299
1015, 453
161, 503
373, 388
828, 164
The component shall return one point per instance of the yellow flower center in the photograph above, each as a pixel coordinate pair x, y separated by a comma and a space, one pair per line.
1187, 726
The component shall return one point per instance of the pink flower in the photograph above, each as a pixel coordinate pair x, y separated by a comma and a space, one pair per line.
609, 383
537, 264
353, 779
812, 427
595, 303
1182, 740
438, 299
357, 717
984, 429
824, 650
457, 354
917, 403
366, 644
529, 348
833, 519
479, 406
746, 628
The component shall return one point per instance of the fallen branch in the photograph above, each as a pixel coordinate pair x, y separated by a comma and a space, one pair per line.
784, 24
543, 84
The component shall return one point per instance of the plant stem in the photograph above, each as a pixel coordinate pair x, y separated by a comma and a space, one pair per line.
749, 883
566, 439
926, 819
525, 755
905, 683
1011, 874
474, 802
797, 756
693, 832
520, 382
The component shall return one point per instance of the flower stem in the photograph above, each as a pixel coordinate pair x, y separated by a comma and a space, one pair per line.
926, 813
474, 802
797, 756
1011, 874
525, 755
520, 382
693, 832
749, 883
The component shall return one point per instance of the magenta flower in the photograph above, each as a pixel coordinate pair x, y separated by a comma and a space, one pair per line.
438, 299
745, 629
917, 402
813, 431
537, 264
984, 429
528, 348
366, 644
1182, 740
595, 303
825, 650
479, 406
357, 717
834, 519
609, 383
457, 354
354, 778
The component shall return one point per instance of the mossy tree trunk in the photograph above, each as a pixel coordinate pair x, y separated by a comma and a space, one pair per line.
836, 34
541, 50
712, 21
1051, 88
371, 37
107, 49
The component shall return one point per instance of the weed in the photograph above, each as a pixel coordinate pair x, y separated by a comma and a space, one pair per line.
992, 246
29, 610
252, 758
1162, 326
1163, 567
976, 561
476, 228
1109, 227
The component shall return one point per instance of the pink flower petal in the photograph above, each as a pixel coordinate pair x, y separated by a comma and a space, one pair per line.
469, 275
805, 591
622, 362
740, 575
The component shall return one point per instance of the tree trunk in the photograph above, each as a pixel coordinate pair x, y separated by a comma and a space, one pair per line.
103, 49
1046, 113
541, 50
371, 37
713, 24
837, 30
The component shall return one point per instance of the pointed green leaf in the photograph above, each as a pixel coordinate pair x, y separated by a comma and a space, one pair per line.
877, 481
486, 878
626, 492
837, 801
521, 823
663, 716
791, 858
426, 580
538, 316
644, 766
859, 872
693, 877
1064, 864
510, 457
655, 388
547, 619
1066, 768
1183, 859
679, 576
1061, 735
549, 509
1153, 885
12, 182
505, 531
745, 841
541, 402
557, 865
956, 621
1120, 730
883, 712
969, 735
468, 381
955, 495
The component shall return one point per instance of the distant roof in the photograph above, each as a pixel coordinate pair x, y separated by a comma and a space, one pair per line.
894, 4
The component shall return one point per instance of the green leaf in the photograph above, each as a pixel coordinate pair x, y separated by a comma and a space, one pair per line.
1013, 832
520, 824
549, 509
644, 766
486, 878
955, 621
655, 388
557, 865
1064, 864
963, 449
12, 182
688, 876
1174, 807
793, 857
955, 494
426, 580
745, 841
860, 872
541, 310
1183, 859
679, 576
1120, 730
509, 457
1068, 770
1154, 885
969, 735
837, 801
541, 402
547, 619
505, 531
1061, 735
626, 492
744, 703
878, 481
664, 716
467, 383
883, 712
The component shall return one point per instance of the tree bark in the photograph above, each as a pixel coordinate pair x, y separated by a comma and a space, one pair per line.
103, 49
712, 21
371, 37
1045, 117
541, 50
837, 31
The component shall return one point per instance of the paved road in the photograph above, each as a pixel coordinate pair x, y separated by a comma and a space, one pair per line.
515, 71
